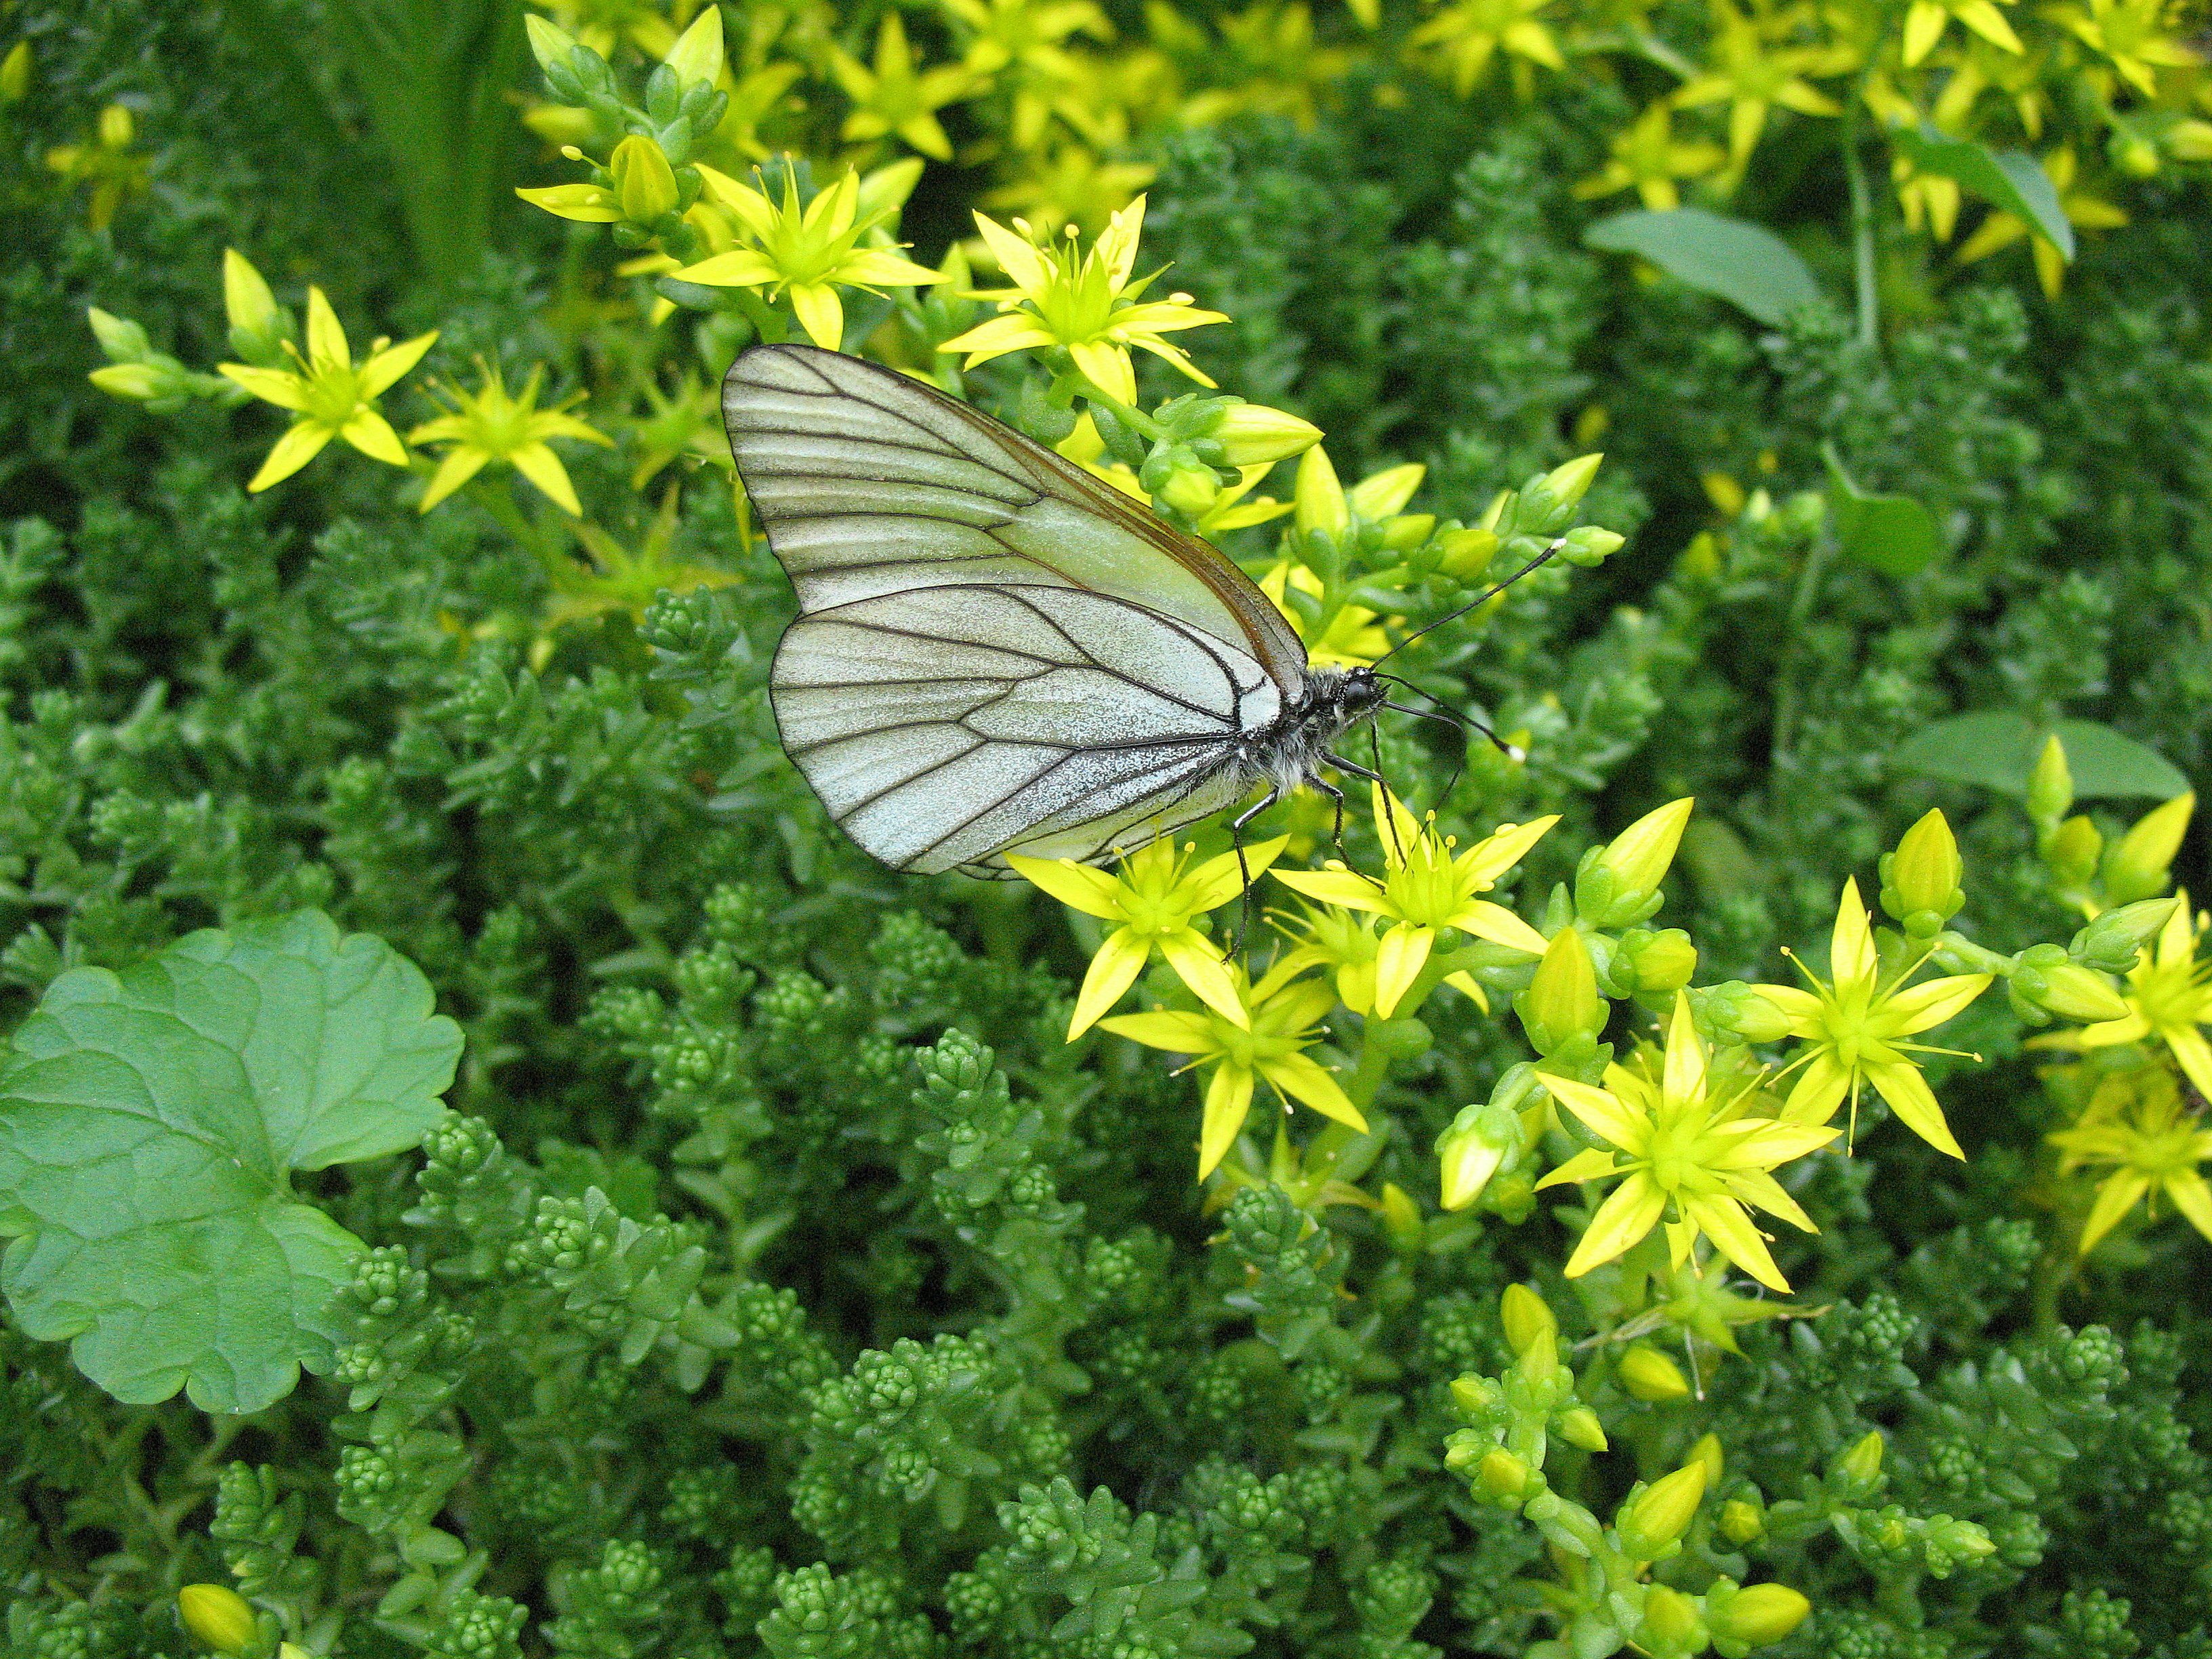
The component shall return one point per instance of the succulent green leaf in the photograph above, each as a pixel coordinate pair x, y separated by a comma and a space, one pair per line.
1892, 533
1747, 265
2008, 179
150, 1123
1997, 751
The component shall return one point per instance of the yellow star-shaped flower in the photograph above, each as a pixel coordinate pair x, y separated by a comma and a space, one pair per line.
489, 425
333, 396
2136, 1123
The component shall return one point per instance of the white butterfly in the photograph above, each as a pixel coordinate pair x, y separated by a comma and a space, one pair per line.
997, 652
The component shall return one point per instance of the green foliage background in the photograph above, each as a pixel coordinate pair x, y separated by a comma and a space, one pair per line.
784, 1282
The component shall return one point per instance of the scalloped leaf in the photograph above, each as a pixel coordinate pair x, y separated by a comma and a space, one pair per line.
150, 1124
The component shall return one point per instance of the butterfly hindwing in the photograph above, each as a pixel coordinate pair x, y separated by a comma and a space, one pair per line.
945, 725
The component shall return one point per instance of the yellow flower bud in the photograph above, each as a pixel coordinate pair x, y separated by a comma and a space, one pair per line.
1758, 1614
1862, 1462
2072, 991
1662, 1512
1650, 1375
2072, 853
1562, 1000
1402, 1217
1387, 492
1476, 1146
1639, 856
2136, 868
1708, 1452
550, 43
137, 381
2051, 785
1501, 1474
246, 299
697, 53
1927, 870
1318, 498
1667, 962
1525, 1317
2189, 140
116, 127
1252, 434
15, 73
2136, 157
1670, 1618
1567, 484
644, 182
1467, 553
217, 1615
1741, 1523
1580, 1428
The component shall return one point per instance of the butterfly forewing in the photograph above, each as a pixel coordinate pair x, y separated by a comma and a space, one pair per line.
995, 652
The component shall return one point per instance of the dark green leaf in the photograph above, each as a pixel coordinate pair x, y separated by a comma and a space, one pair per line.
1750, 267
150, 1123
2006, 178
1998, 750
1892, 533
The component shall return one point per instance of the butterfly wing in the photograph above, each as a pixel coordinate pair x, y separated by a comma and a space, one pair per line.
995, 652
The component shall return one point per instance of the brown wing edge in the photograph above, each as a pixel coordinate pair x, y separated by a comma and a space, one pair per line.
1268, 637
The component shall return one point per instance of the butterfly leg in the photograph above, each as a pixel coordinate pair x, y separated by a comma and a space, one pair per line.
1244, 870
1353, 770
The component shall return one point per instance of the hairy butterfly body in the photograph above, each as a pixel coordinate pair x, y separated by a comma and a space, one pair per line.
995, 652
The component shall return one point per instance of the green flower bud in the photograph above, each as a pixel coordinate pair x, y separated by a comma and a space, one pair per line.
2114, 940
1475, 1394
2051, 785
121, 340
1501, 1474
1252, 434
1467, 553
1921, 880
1480, 1141
1190, 490
1658, 1516
217, 1616
644, 182
1741, 1523
1650, 1375
1565, 485
1318, 498
1756, 1615
1401, 1218
697, 53
2137, 867
1462, 1454
1562, 1001
1671, 1624
1406, 1038
1407, 531
140, 382
1580, 1428
2073, 851
1525, 1317
2075, 993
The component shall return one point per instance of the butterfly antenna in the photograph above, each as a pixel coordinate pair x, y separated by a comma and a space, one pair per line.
1482, 599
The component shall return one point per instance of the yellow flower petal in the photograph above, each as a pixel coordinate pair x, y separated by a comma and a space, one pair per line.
821, 314
1016, 331
1685, 1076
1303, 1080
1622, 1220
589, 203
1228, 1102
2192, 1198
1500, 926
2116, 1195
1850, 947
1345, 887
2190, 1050
1910, 1097
1218, 880
1820, 1089
543, 468
300, 445
1199, 965
741, 267
1107, 368
1725, 1222
326, 341
1591, 1164
1801, 1008
1605, 1113
272, 386
1076, 885
460, 464
1177, 1033
1113, 970
1922, 1007
383, 369
1398, 962
371, 434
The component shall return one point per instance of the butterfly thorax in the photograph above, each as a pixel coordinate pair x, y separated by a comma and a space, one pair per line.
1288, 751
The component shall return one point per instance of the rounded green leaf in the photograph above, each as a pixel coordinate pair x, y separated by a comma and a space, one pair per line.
1746, 265
1998, 750
150, 1123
